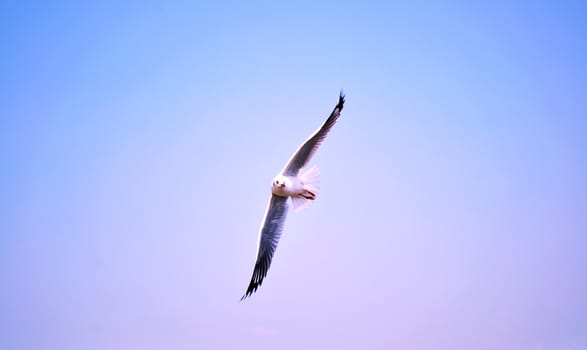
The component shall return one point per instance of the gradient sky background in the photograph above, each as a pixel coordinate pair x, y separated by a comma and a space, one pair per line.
138, 142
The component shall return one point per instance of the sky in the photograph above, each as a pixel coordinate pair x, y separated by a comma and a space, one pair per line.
138, 141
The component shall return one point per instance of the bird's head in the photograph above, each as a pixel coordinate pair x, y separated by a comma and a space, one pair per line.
279, 182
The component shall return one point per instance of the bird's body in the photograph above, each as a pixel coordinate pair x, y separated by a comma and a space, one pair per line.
287, 186
302, 188
294, 187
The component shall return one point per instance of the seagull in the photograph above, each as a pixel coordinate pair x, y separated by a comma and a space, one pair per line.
302, 189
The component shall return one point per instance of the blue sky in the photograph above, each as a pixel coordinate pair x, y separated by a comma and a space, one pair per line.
138, 142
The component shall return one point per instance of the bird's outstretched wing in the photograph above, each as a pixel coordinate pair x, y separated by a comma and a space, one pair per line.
310, 146
268, 239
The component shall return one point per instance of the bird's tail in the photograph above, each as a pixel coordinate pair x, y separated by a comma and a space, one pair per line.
311, 180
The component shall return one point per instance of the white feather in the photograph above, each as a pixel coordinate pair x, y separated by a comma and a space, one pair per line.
311, 182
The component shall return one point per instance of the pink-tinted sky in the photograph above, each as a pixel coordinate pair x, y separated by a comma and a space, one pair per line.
138, 142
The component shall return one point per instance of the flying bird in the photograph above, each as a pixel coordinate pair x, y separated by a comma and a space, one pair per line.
289, 183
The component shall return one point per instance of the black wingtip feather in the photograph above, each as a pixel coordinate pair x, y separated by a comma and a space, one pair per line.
259, 274
340, 100
252, 288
